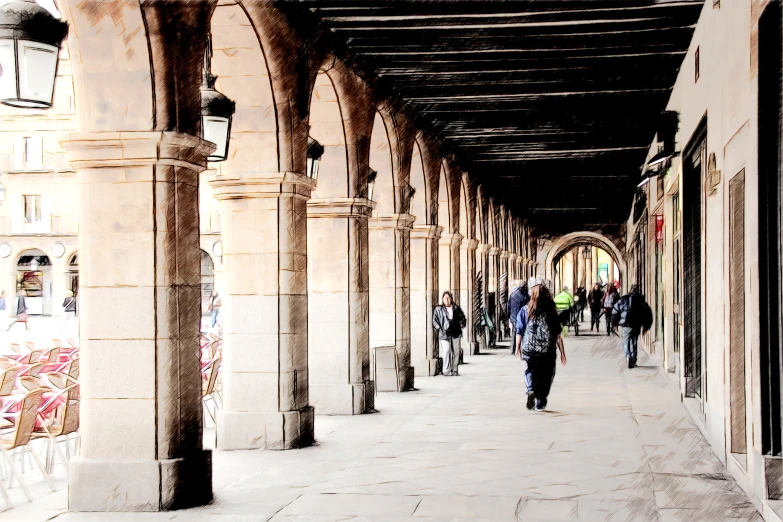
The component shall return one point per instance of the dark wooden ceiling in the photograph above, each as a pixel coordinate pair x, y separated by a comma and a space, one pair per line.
551, 104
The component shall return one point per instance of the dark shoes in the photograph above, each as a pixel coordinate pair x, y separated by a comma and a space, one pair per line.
540, 405
531, 400
631, 363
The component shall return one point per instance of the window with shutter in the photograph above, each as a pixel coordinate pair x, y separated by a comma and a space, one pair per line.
737, 313
33, 153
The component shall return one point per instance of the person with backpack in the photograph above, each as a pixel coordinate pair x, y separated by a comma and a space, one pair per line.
214, 307
448, 320
69, 310
538, 337
608, 303
595, 300
633, 314
518, 298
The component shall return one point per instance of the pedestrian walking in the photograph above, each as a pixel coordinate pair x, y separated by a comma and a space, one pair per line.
538, 337
518, 298
448, 320
595, 301
581, 301
632, 313
69, 310
214, 307
564, 302
608, 303
21, 310
3, 295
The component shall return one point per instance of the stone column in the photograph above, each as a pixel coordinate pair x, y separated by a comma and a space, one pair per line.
513, 268
503, 288
482, 259
265, 371
389, 276
468, 292
494, 286
455, 242
338, 306
141, 428
424, 298
611, 270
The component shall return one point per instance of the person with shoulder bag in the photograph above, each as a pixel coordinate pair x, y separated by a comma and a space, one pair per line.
448, 320
538, 338
633, 315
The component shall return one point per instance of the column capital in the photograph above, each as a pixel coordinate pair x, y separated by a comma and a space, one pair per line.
426, 232
136, 149
512, 256
340, 207
493, 251
470, 244
483, 248
392, 221
262, 185
453, 240
504, 254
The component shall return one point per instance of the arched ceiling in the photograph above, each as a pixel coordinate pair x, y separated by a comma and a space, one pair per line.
551, 104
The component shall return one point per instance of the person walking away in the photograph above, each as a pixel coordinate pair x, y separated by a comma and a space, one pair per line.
595, 300
448, 320
581, 293
3, 295
632, 313
564, 302
214, 307
21, 310
69, 310
608, 303
538, 337
518, 298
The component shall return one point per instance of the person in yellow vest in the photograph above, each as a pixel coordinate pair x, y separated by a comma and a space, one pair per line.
564, 301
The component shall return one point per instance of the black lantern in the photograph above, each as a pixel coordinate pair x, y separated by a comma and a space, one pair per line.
314, 152
371, 183
216, 111
30, 39
586, 253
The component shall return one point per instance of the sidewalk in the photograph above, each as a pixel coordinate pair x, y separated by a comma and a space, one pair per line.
617, 445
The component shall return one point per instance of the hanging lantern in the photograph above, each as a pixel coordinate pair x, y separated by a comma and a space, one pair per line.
216, 112
314, 152
30, 39
371, 183
586, 252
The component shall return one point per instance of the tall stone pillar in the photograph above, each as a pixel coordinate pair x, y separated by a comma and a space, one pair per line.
141, 428
494, 286
265, 370
513, 268
338, 305
611, 270
595, 263
449, 263
504, 284
424, 298
482, 259
468, 292
389, 276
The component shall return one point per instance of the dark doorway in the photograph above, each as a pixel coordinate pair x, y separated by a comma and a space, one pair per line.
694, 160
769, 154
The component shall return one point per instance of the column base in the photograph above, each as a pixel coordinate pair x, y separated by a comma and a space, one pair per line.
343, 399
238, 430
406, 378
429, 367
474, 348
140, 485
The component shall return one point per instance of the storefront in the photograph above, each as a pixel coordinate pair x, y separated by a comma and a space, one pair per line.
34, 279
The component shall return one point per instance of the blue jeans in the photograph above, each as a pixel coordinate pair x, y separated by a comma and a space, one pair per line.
214, 317
539, 374
630, 342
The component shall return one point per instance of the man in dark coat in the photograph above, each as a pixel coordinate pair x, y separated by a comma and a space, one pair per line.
634, 315
518, 298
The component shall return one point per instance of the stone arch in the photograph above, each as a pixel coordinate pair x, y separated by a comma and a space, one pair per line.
482, 207
420, 203
239, 62
444, 201
385, 191
327, 127
575, 239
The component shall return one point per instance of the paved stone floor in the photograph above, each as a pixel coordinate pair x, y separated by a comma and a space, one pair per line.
616, 445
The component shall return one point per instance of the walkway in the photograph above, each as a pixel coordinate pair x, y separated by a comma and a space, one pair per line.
616, 446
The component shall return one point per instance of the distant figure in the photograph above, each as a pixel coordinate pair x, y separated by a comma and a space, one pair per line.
3, 295
633, 314
214, 307
609, 301
581, 302
595, 300
518, 298
69, 310
21, 310
491, 318
538, 336
564, 302
448, 320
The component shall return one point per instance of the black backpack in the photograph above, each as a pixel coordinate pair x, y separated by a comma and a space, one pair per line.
537, 338
455, 330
